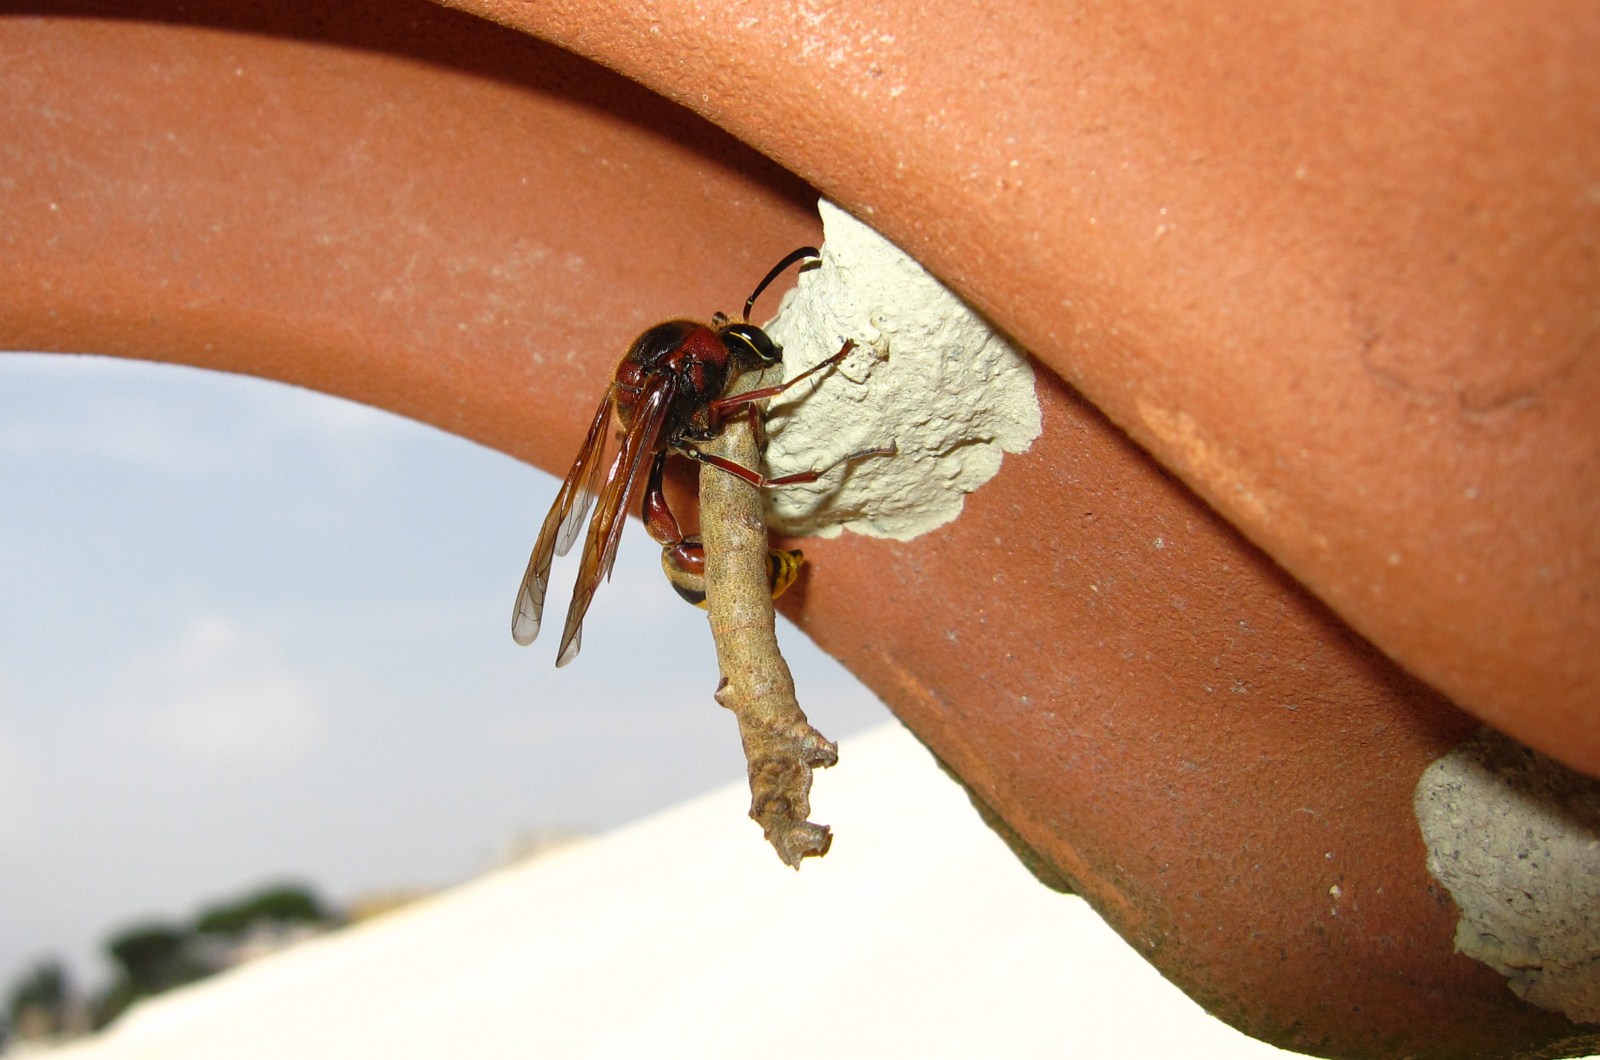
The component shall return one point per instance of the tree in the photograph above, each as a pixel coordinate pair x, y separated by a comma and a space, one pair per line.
278, 904
39, 1001
152, 957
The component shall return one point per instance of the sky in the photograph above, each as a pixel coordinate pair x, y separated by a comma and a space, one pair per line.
250, 633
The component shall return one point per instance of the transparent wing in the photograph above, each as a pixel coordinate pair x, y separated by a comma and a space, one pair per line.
560, 527
641, 443
588, 489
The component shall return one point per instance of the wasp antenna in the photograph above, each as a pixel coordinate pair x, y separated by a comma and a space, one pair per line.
798, 254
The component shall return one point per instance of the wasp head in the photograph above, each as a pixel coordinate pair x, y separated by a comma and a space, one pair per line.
750, 345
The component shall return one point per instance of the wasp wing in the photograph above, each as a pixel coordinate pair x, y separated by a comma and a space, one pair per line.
561, 525
589, 488
639, 446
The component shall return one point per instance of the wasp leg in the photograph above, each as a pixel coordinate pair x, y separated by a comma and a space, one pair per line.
760, 481
722, 406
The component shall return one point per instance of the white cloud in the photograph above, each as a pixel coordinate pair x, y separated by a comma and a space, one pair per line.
220, 695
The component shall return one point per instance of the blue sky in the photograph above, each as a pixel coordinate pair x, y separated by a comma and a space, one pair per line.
249, 632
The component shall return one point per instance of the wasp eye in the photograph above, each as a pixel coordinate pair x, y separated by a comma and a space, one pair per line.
747, 339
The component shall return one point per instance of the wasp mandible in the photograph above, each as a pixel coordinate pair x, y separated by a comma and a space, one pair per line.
667, 394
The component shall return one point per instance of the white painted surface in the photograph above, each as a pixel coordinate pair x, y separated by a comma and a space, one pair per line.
917, 936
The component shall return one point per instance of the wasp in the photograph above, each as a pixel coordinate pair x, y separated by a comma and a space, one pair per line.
667, 393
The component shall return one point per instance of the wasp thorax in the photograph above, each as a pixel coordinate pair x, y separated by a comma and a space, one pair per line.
658, 344
685, 351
